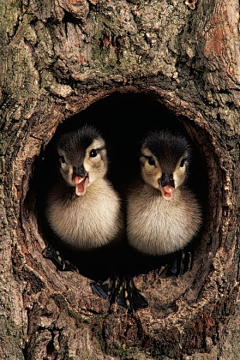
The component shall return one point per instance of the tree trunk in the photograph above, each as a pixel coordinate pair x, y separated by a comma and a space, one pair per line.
122, 61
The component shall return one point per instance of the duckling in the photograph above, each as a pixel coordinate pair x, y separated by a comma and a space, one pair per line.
84, 211
82, 207
163, 213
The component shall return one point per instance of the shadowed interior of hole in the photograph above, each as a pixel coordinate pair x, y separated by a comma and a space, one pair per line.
123, 120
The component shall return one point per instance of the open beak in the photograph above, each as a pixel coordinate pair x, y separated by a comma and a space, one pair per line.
167, 186
80, 180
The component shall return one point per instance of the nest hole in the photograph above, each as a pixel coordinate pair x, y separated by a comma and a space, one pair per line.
123, 120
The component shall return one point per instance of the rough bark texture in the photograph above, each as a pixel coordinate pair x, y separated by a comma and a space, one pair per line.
60, 56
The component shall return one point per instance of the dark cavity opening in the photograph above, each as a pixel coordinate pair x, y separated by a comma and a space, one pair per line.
123, 120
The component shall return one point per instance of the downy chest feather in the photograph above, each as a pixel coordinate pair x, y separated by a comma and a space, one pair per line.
160, 226
88, 221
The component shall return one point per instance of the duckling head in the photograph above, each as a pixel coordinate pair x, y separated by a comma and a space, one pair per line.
82, 157
164, 161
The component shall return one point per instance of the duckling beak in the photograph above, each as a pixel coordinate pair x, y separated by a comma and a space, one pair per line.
79, 171
80, 180
167, 186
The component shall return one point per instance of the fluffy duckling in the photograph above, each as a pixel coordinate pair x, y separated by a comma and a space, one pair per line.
163, 213
82, 207
84, 210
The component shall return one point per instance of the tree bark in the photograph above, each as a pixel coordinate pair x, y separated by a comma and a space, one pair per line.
59, 58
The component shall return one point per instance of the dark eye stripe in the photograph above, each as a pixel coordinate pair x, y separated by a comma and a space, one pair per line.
150, 159
183, 162
63, 161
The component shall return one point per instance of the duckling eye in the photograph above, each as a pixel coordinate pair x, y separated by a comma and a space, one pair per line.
93, 153
63, 161
151, 161
183, 161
